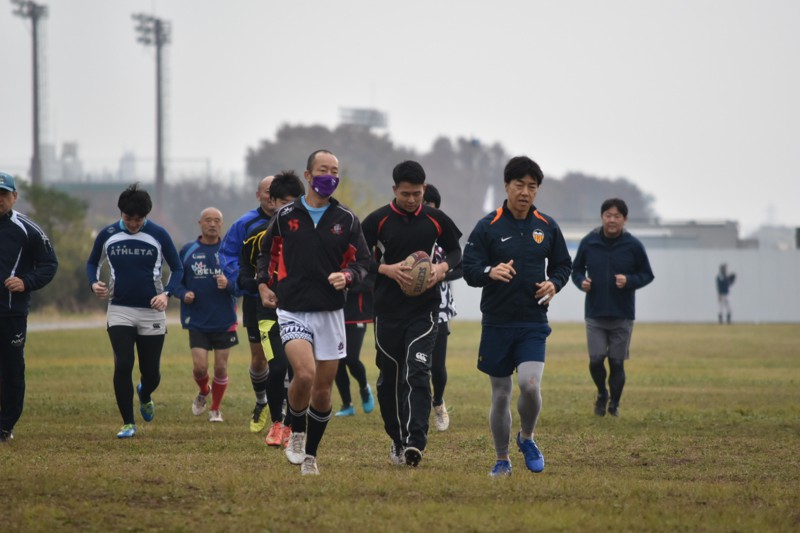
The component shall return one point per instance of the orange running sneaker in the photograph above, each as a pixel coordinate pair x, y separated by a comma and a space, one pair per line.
275, 434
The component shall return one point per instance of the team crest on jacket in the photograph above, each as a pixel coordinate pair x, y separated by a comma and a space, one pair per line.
538, 236
294, 224
337, 229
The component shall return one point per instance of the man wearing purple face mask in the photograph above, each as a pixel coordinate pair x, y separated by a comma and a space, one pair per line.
316, 247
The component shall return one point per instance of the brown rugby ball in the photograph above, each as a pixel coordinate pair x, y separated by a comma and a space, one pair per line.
421, 271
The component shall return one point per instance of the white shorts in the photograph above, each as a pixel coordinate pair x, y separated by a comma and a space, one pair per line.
324, 330
146, 321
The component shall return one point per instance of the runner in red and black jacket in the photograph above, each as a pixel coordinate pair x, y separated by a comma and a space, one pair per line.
316, 247
303, 268
406, 326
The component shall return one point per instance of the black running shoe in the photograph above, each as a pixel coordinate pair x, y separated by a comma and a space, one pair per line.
600, 405
413, 456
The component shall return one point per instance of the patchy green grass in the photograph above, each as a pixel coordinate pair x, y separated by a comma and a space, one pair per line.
708, 440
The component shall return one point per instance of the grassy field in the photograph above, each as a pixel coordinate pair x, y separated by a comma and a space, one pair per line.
708, 440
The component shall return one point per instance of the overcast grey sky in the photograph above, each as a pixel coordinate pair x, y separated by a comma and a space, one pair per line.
697, 102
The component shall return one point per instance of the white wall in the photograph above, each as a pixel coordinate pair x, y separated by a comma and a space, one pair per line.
767, 289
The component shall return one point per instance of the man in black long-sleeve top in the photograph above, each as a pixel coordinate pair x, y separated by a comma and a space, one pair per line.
406, 326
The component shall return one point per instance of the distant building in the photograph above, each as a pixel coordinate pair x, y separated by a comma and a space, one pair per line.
51, 167
362, 116
127, 167
781, 238
71, 164
673, 235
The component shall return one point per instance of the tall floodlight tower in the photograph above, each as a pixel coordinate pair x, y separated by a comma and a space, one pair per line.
36, 12
156, 32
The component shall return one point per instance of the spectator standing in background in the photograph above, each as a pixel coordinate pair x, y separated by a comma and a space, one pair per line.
724, 282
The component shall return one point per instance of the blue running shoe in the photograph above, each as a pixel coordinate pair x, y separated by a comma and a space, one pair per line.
127, 431
501, 468
346, 411
534, 459
367, 399
148, 409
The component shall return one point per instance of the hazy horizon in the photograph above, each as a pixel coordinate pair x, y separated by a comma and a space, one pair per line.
694, 102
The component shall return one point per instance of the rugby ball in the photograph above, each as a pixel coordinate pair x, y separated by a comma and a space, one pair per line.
421, 271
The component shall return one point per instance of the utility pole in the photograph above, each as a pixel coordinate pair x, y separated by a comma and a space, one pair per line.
36, 12
156, 32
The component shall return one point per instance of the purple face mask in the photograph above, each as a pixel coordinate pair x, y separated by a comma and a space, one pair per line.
324, 185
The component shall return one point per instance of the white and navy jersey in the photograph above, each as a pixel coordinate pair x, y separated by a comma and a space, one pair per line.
135, 261
25, 253
213, 309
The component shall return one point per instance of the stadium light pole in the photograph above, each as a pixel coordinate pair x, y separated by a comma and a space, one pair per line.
36, 12
153, 31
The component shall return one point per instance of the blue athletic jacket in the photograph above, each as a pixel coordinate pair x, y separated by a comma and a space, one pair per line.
136, 260
213, 310
601, 259
532, 243
231, 249
25, 253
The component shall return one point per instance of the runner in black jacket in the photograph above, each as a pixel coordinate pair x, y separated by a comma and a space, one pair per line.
406, 326
316, 246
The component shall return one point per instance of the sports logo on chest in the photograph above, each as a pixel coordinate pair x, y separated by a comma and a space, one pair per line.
538, 236
293, 224
337, 229
122, 249
200, 268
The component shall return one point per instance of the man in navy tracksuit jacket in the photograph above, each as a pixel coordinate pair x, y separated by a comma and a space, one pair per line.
27, 263
610, 265
519, 256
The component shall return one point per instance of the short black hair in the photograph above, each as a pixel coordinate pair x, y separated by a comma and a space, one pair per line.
135, 202
621, 206
520, 166
409, 172
432, 196
286, 184
310, 162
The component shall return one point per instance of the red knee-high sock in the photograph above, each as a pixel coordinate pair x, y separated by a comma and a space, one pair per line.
203, 384
217, 392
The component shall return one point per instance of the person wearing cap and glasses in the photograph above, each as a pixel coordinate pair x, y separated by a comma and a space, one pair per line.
27, 263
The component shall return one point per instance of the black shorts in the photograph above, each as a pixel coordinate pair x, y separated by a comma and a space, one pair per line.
253, 334
218, 340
